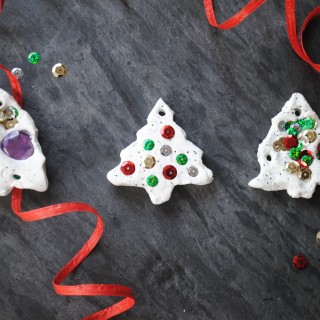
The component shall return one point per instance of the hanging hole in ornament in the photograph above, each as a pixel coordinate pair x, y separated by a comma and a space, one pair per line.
268, 157
297, 112
162, 113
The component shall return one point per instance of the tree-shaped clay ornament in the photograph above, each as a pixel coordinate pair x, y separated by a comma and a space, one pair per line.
160, 158
21, 159
289, 154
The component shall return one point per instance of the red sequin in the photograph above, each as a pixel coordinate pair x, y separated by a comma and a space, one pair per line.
167, 132
310, 153
300, 262
318, 147
169, 172
302, 164
290, 142
128, 168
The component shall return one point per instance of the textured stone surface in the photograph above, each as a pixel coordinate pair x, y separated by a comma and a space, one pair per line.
215, 252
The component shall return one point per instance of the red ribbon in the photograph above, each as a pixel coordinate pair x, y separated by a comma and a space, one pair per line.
297, 46
113, 290
296, 43
15, 85
252, 6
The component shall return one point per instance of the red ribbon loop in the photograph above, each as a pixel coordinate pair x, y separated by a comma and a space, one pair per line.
298, 46
253, 5
112, 290
82, 289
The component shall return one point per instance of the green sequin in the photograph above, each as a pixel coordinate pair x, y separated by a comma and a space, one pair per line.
307, 123
16, 112
182, 159
152, 181
288, 124
17, 177
300, 146
307, 159
148, 144
318, 155
34, 57
294, 153
292, 131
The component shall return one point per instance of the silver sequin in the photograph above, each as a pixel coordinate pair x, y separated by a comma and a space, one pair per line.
165, 150
304, 140
18, 73
10, 113
193, 171
296, 126
281, 126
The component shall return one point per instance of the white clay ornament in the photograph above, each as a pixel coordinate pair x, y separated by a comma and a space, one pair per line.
289, 155
160, 158
22, 163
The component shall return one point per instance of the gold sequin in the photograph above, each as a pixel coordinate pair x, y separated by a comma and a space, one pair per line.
312, 135
3, 117
278, 145
305, 174
9, 124
149, 162
59, 70
292, 167
318, 237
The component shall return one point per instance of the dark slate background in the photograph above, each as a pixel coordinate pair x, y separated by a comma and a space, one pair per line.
221, 251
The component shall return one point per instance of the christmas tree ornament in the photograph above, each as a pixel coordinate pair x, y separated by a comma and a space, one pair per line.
22, 166
161, 158
288, 156
21, 158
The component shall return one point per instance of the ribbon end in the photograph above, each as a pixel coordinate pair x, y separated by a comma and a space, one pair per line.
1, 5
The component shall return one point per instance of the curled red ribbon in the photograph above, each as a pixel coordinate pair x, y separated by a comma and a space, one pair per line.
253, 5
113, 290
296, 43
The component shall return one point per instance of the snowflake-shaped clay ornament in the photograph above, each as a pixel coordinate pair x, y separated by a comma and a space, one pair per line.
160, 158
21, 159
289, 155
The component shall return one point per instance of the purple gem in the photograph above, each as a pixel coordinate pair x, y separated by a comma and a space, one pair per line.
17, 145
